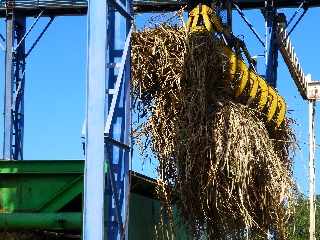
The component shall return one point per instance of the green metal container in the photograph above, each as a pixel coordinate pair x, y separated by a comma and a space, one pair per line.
36, 195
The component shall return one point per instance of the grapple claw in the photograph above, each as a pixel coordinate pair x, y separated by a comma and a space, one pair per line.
202, 18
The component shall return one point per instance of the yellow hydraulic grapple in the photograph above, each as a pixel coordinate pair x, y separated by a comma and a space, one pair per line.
248, 83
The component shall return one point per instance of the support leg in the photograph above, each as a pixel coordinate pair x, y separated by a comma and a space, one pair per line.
8, 116
312, 226
94, 173
14, 88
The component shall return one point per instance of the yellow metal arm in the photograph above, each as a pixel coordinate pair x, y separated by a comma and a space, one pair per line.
249, 85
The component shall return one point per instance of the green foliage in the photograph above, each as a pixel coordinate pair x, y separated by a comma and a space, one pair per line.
299, 224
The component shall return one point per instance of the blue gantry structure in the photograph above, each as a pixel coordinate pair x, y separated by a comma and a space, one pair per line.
108, 146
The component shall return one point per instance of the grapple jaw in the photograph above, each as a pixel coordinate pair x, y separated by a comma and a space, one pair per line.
203, 18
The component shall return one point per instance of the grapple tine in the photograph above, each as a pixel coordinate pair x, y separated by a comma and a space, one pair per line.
243, 79
281, 111
253, 86
262, 93
232, 62
272, 103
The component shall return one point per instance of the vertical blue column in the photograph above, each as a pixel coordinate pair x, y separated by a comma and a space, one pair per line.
108, 121
272, 58
94, 173
14, 87
8, 117
272, 64
19, 83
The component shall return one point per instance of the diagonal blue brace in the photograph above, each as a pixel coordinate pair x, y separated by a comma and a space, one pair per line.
118, 83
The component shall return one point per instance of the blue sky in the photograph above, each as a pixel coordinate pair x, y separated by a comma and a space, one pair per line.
55, 87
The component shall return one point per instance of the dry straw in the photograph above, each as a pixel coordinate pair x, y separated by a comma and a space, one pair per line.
227, 168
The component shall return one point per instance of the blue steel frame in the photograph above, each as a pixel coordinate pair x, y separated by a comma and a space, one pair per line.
14, 87
19, 65
108, 121
118, 121
272, 45
15, 63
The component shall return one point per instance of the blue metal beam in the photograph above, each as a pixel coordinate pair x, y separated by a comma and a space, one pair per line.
40, 36
249, 24
167, 5
79, 7
94, 174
